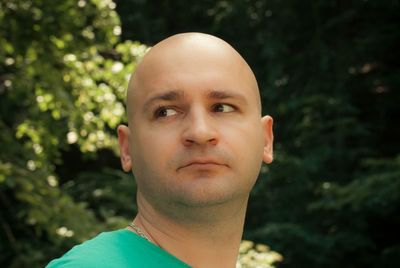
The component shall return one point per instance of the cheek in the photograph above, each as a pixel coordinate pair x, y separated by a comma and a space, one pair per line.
152, 148
248, 142
248, 146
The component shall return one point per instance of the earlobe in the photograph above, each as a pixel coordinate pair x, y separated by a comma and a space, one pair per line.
124, 147
267, 123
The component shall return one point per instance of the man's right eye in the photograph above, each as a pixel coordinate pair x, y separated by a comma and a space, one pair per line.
164, 112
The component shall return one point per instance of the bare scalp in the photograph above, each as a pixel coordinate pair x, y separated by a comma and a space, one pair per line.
196, 48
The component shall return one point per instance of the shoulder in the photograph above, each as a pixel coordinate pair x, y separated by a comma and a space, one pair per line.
109, 249
120, 249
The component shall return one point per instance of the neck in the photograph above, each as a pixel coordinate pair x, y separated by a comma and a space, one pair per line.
203, 237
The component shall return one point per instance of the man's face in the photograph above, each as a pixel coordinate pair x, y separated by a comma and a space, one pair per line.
196, 137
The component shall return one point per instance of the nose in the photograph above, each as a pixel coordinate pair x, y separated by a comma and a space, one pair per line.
199, 129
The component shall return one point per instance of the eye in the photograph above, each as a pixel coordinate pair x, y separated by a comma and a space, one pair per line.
223, 108
164, 112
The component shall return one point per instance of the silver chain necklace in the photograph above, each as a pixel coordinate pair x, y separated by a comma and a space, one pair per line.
139, 232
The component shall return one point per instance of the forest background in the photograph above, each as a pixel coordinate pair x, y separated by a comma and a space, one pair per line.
328, 73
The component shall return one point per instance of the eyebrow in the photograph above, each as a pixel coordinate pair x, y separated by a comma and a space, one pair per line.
222, 95
166, 96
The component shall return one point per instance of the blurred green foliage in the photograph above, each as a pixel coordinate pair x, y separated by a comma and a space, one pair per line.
256, 256
328, 74
63, 77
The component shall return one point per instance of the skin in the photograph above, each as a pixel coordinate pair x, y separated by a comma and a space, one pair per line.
195, 143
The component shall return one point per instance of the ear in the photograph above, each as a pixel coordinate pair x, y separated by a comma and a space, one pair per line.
124, 147
267, 122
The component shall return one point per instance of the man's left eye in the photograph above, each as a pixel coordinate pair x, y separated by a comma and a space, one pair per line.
223, 108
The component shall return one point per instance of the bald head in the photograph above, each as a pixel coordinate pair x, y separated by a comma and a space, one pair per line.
185, 55
193, 98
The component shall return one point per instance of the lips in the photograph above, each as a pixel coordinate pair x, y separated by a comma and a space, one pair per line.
202, 163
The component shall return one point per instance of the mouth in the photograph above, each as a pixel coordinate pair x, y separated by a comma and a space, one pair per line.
203, 164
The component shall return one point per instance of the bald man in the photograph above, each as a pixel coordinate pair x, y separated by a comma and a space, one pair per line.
195, 142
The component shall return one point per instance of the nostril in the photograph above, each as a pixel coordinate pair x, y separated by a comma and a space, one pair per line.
213, 141
188, 142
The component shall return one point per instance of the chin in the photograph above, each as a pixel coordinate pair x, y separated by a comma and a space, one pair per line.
206, 196
202, 203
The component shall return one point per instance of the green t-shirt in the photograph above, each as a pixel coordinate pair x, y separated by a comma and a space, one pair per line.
121, 248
